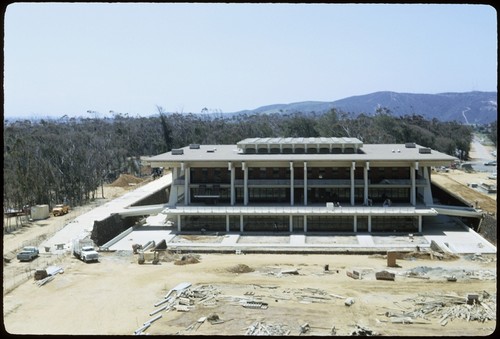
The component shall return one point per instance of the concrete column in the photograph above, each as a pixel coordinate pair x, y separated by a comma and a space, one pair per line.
365, 178
419, 224
291, 184
305, 183
413, 193
241, 223
178, 223
290, 223
369, 223
428, 199
187, 176
233, 190
172, 199
355, 224
305, 223
245, 184
227, 223
353, 167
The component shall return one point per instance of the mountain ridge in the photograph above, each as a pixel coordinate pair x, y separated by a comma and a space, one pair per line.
475, 107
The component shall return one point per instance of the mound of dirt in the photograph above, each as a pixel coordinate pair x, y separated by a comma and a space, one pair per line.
187, 259
240, 268
126, 180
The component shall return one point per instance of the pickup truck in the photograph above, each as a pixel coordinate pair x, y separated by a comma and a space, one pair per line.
28, 253
60, 210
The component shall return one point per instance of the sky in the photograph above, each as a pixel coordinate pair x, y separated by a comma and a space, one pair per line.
77, 59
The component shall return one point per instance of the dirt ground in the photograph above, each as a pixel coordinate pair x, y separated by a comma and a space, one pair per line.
117, 295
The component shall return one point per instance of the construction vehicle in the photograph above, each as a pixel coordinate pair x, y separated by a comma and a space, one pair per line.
60, 209
84, 250
153, 257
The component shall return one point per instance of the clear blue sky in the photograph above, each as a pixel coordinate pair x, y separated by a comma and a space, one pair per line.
66, 59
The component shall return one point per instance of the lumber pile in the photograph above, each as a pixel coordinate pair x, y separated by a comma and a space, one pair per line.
261, 328
473, 307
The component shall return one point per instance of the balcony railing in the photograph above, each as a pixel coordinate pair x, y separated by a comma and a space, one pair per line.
311, 182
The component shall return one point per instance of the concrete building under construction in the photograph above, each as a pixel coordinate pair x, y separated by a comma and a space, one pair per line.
303, 185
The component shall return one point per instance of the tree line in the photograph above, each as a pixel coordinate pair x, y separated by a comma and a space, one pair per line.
67, 159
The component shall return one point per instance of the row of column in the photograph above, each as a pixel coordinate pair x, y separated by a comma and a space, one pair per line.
355, 223
366, 168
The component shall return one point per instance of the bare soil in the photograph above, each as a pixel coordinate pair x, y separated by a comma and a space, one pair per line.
116, 296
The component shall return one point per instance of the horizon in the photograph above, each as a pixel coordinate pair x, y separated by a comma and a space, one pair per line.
84, 59
97, 115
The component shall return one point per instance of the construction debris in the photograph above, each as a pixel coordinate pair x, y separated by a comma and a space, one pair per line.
349, 301
254, 304
44, 276
353, 274
261, 328
473, 307
363, 331
214, 319
385, 275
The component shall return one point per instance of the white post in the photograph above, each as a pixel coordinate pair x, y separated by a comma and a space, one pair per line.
353, 167
419, 224
355, 224
241, 223
227, 223
305, 223
178, 222
245, 184
172, 199
428, 199
365, 177
290, 223
369, 223
291, 184
413, 195
187, 199
233, 193
305, 183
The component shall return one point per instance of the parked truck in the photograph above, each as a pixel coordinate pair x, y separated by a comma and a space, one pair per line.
28, 253
84, 250
60, 209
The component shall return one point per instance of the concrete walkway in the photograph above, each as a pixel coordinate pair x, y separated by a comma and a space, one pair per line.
82, 225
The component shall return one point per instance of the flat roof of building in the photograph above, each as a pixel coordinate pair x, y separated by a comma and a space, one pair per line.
368, 152
320, 141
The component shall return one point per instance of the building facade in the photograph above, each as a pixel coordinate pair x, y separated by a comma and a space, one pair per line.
301, 185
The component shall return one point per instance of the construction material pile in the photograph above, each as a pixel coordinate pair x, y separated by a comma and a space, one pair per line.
474, 307
261, 328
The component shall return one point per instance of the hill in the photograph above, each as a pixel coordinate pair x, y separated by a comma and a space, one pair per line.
469, 107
